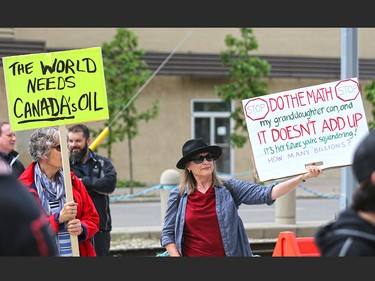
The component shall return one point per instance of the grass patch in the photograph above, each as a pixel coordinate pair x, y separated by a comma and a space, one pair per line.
122, 183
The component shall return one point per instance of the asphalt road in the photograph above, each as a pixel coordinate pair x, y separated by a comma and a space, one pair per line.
143, 214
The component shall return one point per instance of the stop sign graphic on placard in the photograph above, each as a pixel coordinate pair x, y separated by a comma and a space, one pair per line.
256, 109
347, 90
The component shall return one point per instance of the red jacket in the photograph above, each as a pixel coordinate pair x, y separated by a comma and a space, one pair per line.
86, 210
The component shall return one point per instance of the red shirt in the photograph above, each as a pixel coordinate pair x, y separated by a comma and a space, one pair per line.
201, 230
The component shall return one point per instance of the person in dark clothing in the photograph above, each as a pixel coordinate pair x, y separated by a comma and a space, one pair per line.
99, 176
24, 228
7, 152
352, 233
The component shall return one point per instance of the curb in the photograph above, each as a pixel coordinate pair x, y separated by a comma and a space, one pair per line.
255, 231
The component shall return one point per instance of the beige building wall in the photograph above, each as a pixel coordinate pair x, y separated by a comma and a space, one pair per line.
158, 145
312, 42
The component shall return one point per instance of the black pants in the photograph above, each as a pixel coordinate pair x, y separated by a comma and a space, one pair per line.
102, 243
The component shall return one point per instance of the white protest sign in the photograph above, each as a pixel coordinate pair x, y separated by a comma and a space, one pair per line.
320, 124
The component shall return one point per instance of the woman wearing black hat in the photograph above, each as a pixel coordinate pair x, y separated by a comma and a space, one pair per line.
201, 217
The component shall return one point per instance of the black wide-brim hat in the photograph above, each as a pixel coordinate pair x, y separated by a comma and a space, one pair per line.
194, 147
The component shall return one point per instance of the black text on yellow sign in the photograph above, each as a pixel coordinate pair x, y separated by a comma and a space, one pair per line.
55, 88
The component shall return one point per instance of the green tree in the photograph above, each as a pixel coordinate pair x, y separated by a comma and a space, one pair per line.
125, 72
370, 96
245, 79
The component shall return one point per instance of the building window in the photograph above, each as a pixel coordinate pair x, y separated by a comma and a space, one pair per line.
210, 120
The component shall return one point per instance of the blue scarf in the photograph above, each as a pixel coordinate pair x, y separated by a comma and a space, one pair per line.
48, 190
52, 198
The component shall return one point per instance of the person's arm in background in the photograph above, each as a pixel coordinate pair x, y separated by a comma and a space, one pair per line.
106, 183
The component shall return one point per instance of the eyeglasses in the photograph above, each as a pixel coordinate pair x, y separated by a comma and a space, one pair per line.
57, 147
199, 158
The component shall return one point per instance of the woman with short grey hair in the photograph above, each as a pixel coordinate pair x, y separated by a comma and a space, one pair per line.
45, 180
42, 141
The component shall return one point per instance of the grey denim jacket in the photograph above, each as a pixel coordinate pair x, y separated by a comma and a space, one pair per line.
233, 233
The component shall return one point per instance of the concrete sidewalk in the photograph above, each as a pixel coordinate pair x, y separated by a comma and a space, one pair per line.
254, 230
149, 237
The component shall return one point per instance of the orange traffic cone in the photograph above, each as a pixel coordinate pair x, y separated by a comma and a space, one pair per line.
288, 245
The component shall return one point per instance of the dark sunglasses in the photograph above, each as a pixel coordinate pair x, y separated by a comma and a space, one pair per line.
57, 147
199, 158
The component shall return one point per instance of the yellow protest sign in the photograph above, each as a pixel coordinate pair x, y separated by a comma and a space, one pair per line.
57, 88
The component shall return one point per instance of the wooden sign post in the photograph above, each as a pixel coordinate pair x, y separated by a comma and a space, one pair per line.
67, 181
